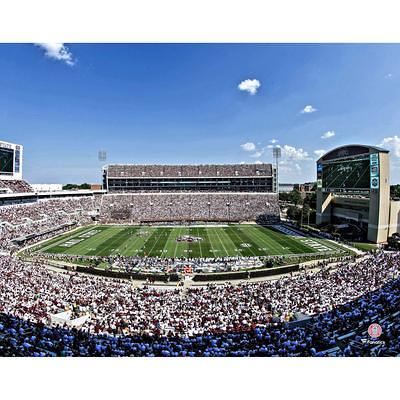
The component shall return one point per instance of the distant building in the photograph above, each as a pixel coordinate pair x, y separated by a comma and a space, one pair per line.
286, 187
46, 187
306, 187
95, 186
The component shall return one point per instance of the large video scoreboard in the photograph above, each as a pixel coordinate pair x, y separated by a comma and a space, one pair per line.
353, 187
10, 160
356, 173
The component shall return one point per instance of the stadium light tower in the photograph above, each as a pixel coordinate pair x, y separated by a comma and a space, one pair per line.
102, 157
277, 153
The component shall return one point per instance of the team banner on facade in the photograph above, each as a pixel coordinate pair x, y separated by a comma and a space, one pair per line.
374, 168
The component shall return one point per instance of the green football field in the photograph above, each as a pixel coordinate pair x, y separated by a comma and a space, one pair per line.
212, 241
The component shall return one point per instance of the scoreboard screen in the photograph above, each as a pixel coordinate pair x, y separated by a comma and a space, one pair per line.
346, 175
6, 161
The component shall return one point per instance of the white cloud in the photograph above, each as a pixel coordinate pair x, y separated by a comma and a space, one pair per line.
257, 154
249, 146
284, 167
389, 76
289, 167
295, 164
308, 109
319, 153
249, 85
273, 141
57, 51
391, 143
292, 162
293, 153
328, 135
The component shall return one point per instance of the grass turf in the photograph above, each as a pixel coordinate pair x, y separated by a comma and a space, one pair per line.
217, 241
365, 246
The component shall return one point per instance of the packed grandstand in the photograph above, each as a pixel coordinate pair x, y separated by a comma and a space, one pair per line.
323, 308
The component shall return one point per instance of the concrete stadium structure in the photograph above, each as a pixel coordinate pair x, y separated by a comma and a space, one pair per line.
211, 192
353, 186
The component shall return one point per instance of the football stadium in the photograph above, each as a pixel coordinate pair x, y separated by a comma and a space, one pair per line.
188, 260
207, 207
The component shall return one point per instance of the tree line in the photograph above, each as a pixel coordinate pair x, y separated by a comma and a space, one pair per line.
301, 208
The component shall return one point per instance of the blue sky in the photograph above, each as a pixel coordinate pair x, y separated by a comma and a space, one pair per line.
192, 103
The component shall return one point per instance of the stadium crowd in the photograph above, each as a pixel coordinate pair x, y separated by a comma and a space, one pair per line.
189, 207
207, 170
41, 218
165, 265
159, 265
243, 320
246, 319
15, 186
31, 291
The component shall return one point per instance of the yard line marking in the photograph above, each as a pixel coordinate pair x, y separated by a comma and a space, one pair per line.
226, 251
133, 245
112, 240
166, 244
176, 243
265, 236
64, 239
121, 249
234, 231
198, 235
210, 240
154, 245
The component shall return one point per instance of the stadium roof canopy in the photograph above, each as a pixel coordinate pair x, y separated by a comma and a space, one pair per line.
350, 150
200, 170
